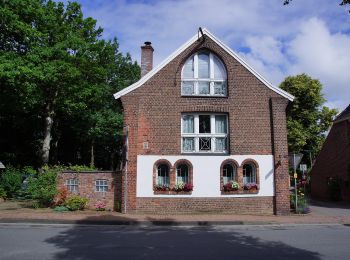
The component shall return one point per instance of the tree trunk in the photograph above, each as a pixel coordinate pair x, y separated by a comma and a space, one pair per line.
45, 152
49, 115
92, 154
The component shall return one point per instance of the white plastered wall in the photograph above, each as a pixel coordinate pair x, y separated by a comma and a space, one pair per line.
206, 174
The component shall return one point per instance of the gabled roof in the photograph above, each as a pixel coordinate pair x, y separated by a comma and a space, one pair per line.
345, 114
184, 47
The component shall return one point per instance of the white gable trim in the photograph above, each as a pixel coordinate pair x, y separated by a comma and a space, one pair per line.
184, 47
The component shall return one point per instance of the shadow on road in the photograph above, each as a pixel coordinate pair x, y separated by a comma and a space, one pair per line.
169, 242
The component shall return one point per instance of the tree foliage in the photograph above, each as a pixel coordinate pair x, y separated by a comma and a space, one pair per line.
307, 119
57, 77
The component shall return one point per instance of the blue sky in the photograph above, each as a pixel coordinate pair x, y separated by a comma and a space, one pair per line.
310, 36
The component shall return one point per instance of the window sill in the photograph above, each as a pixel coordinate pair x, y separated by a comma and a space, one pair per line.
171, 192
205, 96
204, 153
252, 191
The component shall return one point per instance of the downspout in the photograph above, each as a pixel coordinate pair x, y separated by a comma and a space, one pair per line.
126, 131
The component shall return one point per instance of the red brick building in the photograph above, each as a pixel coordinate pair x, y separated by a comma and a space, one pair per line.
204, 132
333, 160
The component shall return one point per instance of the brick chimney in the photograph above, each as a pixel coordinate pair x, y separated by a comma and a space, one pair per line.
146, 58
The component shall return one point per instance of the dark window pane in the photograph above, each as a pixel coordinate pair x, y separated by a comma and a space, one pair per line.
204, 124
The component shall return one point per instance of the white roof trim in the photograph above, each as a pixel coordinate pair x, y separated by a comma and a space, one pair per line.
184, 47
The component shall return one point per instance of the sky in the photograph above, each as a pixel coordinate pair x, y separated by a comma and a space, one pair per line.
306, 36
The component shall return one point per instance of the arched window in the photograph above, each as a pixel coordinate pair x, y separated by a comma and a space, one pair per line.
204, 74
163, 175
229, 173
249, 173
182, 173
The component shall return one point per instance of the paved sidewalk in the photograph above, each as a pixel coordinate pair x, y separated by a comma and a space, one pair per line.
321, 213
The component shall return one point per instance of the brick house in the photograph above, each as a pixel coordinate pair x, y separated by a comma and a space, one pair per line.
204, 118
333, 159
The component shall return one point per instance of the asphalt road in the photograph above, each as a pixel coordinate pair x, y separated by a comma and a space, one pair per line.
26, 241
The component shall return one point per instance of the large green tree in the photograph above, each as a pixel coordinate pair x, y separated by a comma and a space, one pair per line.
307, 120
57, 76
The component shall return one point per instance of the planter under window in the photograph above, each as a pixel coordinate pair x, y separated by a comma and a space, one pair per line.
171, 192
239, 191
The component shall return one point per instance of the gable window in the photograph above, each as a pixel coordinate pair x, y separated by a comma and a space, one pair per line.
163, 175
101, 185
204, 133
72, 185
204, 74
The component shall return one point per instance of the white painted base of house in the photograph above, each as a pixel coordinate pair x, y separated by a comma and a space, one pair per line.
206, 175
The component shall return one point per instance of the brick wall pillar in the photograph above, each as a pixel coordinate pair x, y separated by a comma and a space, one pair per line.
280, 152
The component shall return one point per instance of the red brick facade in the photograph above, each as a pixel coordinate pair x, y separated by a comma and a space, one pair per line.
257, 126
333, 161
87, 187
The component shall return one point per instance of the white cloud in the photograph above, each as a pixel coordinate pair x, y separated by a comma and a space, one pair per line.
313, 50
323, 55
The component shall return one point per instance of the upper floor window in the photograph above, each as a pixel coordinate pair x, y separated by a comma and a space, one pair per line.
204, 74
204, 133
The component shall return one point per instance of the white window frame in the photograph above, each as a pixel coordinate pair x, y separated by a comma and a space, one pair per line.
72, 185
211, 80
101, 185
212, 135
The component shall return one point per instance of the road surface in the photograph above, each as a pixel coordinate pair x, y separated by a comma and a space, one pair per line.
29, 241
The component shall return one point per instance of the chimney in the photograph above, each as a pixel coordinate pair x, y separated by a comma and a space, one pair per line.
146, 58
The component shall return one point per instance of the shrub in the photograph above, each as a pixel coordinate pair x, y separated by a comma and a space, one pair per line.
161, 187
188, 187
76, 203
61, 196
251, 186
303, 206
183, 187
179, 186
43, 187
2, 193
100, 206
231, 186
61, 209
79, 168
11, 181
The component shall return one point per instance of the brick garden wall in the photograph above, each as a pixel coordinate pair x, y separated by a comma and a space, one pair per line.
153, 114
86, 187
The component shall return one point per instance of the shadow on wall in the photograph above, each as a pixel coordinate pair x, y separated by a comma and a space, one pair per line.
133, 242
